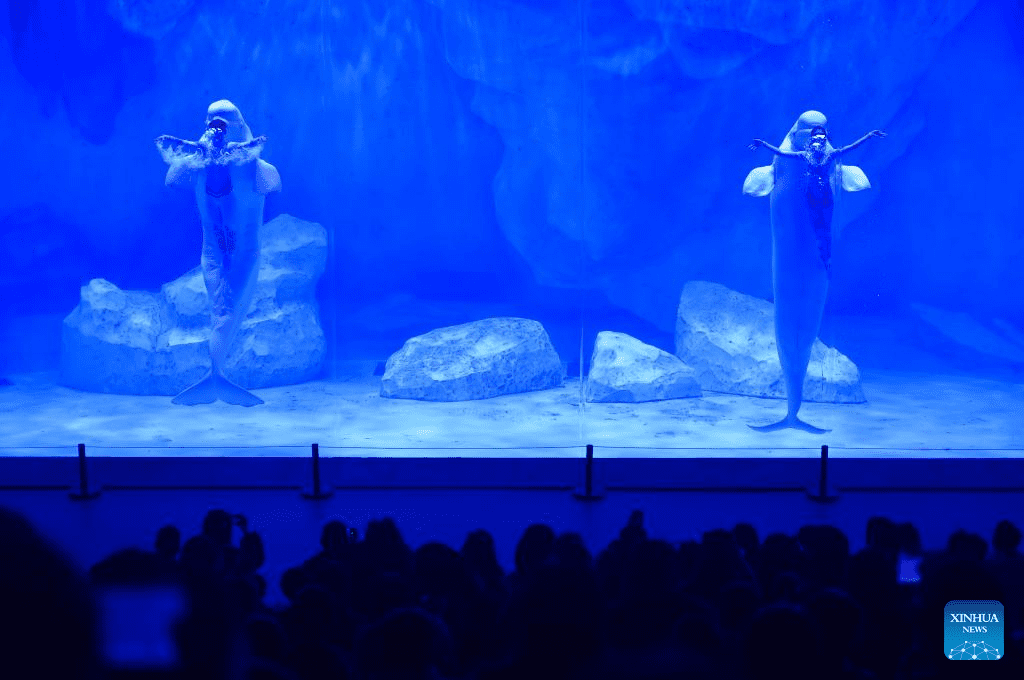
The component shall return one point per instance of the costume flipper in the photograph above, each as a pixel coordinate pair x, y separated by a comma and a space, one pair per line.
179, 175
760, 181
854, 178
267, 178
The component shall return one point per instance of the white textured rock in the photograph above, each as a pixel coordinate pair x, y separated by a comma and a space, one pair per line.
476, 360
729, 340
137, 342
625, 370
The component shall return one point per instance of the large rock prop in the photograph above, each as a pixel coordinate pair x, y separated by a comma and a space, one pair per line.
625, 370
729, 340
474, 360
138, 342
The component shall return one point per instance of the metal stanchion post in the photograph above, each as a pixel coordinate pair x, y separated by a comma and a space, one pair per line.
824, 493
85, 491
590, 491
316, 492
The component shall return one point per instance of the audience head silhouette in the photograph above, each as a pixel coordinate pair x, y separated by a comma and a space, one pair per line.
727, 606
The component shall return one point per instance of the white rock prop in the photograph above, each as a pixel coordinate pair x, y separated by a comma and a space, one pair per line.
729, 340
625, 370
137, 342
476, 360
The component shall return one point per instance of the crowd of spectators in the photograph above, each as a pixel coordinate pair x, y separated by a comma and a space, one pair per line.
729, 606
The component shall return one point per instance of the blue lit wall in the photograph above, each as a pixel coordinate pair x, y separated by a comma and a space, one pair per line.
475, 154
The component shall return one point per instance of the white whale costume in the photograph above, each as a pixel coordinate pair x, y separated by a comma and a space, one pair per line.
230, 183
802, 183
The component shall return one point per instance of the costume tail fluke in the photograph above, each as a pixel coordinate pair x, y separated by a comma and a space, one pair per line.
789, 422
214, 387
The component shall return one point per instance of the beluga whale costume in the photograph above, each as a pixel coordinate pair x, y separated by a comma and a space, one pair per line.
230, 183
802, 183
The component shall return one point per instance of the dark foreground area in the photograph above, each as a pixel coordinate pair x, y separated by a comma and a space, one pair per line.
731, 605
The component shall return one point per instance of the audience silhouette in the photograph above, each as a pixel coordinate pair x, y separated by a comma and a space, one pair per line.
728, 606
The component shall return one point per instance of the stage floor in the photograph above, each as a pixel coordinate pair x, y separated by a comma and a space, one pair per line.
941, 416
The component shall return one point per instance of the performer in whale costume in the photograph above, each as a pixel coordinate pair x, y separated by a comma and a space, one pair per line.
802, 182
230, 182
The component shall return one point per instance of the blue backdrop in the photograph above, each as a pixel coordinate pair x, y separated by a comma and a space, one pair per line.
472, 156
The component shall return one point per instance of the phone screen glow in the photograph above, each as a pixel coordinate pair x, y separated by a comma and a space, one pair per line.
909, 570
138, 625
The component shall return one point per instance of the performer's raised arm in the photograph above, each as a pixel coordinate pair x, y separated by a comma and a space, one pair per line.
242, 152
774, 149
184, 157
854, 145
175, 147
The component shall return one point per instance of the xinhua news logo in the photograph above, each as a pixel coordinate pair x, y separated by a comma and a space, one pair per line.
974, 630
